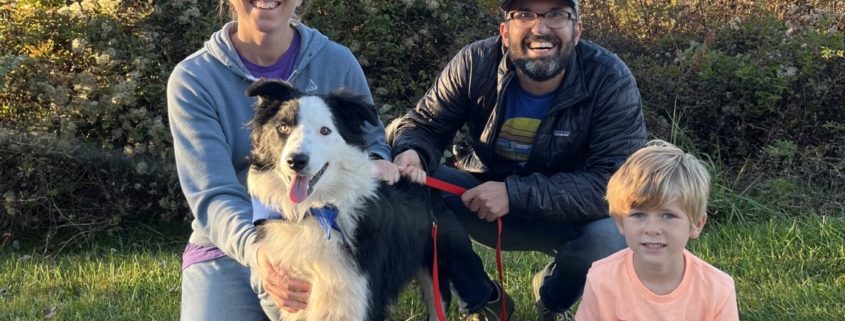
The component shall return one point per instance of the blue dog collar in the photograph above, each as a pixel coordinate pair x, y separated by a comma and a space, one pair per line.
326, 216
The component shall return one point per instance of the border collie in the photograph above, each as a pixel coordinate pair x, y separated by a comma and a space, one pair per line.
358, 242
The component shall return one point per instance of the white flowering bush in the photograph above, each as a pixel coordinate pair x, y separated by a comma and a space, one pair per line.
91, 73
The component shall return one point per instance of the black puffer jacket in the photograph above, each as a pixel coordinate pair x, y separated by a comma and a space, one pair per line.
595, 122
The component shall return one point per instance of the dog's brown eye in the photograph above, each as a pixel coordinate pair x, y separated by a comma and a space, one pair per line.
325, 131
284, 129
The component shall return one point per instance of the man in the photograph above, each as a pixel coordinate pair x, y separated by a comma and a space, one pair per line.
549, 119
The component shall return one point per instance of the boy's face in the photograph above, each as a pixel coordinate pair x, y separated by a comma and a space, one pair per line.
658, 236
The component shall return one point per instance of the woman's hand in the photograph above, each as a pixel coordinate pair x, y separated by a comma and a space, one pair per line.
289, 293
385, 171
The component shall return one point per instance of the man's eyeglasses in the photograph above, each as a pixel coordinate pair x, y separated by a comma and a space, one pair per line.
554, 19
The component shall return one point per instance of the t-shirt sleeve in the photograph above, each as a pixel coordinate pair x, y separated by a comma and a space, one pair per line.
588, 309
728, 311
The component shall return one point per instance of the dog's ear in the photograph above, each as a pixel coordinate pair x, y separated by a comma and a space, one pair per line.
271, 95
353, 111
272, 89
352, 108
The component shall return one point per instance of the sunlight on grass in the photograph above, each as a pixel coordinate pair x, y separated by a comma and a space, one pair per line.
785, 270
96, 285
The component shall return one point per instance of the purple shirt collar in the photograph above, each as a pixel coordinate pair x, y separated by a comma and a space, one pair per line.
282, 68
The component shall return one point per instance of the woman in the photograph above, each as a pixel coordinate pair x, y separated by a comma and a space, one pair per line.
208, 113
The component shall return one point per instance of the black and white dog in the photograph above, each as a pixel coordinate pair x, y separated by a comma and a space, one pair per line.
357, 241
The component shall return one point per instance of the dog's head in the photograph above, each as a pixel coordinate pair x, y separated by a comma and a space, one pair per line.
306, 139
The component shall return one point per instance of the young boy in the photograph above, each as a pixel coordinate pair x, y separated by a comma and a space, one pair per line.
658, 199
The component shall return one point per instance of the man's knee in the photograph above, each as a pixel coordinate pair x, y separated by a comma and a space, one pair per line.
603, 237
592, 241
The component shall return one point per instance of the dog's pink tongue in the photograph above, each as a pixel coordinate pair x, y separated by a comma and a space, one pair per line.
299, 188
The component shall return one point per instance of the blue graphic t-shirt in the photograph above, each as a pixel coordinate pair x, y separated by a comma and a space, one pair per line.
523, 114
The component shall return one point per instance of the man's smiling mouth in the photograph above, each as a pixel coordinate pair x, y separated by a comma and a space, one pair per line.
540, 45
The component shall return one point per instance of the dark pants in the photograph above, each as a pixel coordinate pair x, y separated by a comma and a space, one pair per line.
574, 248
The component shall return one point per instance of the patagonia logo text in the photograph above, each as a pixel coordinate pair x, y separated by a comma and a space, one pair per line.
562, 133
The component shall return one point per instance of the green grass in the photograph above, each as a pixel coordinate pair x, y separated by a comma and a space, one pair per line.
786, 269
130, 277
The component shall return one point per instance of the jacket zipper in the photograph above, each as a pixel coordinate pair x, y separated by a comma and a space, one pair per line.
498, 110
293, 75
552, 109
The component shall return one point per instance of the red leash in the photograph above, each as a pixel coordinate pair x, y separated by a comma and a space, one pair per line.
444, 186
457, 190
503, 294
436, 276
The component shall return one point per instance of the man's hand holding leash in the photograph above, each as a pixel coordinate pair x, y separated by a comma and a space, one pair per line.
489, 200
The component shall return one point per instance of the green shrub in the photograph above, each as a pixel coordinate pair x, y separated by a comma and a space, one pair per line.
94, 70
402, 45
758, 95
92, 73
60, 184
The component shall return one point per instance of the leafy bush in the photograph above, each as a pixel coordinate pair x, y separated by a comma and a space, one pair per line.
636, 26
90, 72
402, 45
94, 70
66, 185
753, 86
758, 95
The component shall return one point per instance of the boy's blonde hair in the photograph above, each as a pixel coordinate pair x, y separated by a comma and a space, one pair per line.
656, 175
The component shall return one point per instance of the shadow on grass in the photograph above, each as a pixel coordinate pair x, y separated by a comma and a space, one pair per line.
133, 238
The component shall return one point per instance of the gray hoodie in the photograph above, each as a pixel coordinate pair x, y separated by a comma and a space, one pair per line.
208, 112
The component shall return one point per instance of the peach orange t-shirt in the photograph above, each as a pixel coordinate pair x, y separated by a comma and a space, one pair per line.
613, 292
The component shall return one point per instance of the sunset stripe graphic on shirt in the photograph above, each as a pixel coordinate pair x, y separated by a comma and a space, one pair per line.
516, 137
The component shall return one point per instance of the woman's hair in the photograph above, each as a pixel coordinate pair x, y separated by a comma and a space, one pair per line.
656, 175
225, 13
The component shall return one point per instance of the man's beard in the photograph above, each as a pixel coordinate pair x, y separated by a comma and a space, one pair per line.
544, 68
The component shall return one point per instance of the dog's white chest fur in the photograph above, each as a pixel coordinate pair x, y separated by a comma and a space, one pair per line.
339, 290
305, 250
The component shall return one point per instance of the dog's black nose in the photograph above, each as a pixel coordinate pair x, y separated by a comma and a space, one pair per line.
298, 161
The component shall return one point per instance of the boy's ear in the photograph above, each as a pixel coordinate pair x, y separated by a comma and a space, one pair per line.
695, 229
